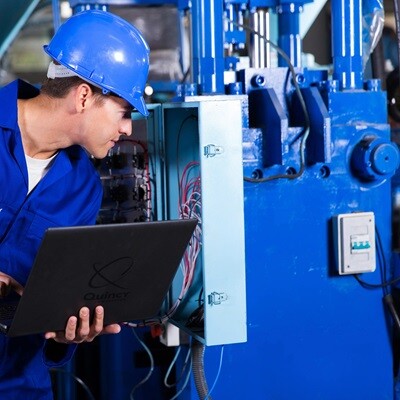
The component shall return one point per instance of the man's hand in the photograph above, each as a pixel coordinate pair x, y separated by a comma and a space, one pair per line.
81, 331
7, 284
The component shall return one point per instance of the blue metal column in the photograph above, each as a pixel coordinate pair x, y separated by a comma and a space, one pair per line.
289, 33
208, 46
347, 43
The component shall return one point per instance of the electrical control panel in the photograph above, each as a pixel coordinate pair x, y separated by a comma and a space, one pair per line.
204, 180
130, 173
354, 236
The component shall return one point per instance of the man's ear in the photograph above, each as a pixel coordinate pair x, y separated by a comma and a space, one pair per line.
83, 96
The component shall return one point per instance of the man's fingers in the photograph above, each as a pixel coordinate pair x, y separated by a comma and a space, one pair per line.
98, 320
17, 287
80, 329
4, 289
84, 323
7, 283
70, 330
112, 329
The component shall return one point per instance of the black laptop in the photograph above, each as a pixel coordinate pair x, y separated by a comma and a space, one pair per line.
127, 268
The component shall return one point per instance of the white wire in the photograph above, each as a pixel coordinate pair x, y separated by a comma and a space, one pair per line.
216, 378
146, 378
185, 383
170, 369
172, 364
189, 207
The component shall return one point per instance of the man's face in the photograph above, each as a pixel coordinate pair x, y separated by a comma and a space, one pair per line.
104, 124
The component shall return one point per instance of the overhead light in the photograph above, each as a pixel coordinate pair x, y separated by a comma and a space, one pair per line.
148, 90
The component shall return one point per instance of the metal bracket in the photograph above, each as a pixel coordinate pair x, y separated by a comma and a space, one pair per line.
212, 150
216, 298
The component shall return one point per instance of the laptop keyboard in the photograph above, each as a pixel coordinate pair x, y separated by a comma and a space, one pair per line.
7, 310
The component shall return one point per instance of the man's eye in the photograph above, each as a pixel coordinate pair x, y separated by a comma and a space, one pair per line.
128, 114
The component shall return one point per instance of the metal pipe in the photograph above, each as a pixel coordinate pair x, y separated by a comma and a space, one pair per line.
228, 25
289, 33
185, 44
261, 38
56, 14
208, 46
347, 43
267, 24
260, 49
254, 42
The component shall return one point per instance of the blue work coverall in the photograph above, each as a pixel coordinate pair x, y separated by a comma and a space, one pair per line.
70, 194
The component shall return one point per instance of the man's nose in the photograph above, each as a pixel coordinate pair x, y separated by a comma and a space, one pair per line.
126, 127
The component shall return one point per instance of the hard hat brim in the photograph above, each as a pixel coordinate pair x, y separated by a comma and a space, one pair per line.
140, 105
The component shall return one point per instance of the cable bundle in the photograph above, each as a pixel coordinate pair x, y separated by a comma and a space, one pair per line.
189, 207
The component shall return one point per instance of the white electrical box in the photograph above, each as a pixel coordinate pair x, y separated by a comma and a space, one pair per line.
354, 236
170, 336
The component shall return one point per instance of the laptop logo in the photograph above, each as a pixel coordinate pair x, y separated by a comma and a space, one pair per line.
111, 274
110, 277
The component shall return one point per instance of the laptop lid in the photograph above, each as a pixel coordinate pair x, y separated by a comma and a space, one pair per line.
127, 268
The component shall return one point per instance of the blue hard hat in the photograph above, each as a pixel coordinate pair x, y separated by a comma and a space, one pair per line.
106, 50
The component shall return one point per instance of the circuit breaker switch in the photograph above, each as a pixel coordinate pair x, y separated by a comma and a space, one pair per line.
360, 243
354, 236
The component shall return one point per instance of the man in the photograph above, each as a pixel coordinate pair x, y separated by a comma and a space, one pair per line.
97, 75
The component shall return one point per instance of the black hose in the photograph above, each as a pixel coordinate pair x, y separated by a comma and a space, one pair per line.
388, 299
198, 350
378, 63
396, 7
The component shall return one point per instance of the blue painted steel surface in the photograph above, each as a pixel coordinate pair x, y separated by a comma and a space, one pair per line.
375, 157
262, 3
74, 3
80, 5
312, 334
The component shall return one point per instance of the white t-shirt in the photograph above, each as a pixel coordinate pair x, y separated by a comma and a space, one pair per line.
37, 169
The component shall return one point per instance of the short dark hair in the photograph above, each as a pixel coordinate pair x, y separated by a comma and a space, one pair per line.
58, 88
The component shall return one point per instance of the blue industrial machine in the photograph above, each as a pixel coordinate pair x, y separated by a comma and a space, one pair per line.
289, 172
303, 316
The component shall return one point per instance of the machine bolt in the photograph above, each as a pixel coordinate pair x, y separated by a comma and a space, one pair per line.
235, 88
331, 86
191, 89
373, 85
300, 79
258, 81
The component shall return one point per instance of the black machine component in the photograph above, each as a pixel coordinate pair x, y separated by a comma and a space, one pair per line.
126, 184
